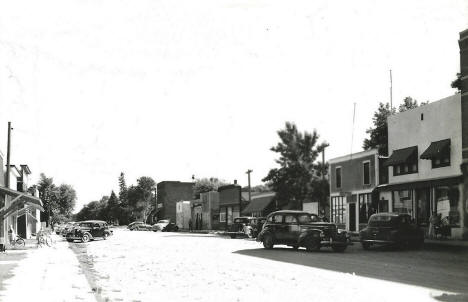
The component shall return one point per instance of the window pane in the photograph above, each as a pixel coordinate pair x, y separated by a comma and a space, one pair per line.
366, 173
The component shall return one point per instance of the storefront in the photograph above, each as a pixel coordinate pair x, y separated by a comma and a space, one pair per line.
18, 205
424, 198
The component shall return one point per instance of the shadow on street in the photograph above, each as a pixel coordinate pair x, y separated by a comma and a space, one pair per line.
443, 269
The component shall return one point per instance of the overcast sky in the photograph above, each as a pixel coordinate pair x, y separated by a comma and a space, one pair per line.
172, 88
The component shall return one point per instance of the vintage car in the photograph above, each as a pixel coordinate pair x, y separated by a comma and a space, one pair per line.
165, 226
67, 228
89, 230
391, 229
246, 226
302, 229
139, 226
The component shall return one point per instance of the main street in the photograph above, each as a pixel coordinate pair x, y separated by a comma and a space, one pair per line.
148, 266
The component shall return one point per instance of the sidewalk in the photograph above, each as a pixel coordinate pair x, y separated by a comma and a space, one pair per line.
47, 274
432, 242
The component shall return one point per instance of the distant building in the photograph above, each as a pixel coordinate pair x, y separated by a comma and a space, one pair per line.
210, 210
230, 203
168, 194
353, 178
262, 204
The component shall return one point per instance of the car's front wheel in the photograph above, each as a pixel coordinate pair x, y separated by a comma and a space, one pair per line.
268, 241
312, 244
365, 245
339, 248
105, 236
85, 238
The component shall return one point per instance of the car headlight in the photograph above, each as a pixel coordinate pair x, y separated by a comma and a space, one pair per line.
341, 231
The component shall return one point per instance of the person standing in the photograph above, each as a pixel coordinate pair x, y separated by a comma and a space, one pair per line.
190, 225
433, 222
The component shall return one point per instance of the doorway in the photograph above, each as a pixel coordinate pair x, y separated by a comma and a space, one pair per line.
352, 217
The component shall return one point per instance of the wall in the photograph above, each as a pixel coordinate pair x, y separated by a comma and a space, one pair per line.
229, 195
352, 172
442, 120
169, 193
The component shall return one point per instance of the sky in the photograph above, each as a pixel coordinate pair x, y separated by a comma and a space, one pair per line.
171, 89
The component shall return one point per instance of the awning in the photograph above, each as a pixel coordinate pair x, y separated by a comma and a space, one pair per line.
402, 156
20, 200
258, 204
436, 149
435, 182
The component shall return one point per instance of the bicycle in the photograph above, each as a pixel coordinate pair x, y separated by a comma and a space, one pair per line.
18, 241
44, 238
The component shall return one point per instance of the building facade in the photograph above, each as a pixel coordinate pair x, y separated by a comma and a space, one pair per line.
261, 204
230, 204
353, 179
169, 193
425, 176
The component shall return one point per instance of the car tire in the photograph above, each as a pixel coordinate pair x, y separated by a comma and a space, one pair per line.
176, 229
85, 238
233, 236
312, 244
295, 247
365, 245
69, 240
268, 242
105, 236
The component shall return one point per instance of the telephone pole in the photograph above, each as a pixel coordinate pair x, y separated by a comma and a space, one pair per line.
7, 179
250, 192
391, 92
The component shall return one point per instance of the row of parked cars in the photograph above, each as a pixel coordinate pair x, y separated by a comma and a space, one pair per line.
164, 225
84, 231
302, 229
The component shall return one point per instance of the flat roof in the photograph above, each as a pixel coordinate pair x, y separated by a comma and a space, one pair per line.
353, 156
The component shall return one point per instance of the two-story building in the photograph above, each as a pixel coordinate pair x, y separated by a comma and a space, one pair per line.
230, 204
19, 209
425, 147
353, 178
169, 193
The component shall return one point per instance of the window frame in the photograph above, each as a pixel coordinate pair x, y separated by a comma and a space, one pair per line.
364, 172
336, 177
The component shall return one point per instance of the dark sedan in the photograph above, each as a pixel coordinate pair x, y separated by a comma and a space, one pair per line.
165, 226
391, 229
139, 226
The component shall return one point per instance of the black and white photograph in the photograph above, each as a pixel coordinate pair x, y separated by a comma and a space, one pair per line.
233, 150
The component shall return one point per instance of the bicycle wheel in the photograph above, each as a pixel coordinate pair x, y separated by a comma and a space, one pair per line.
48, 241
41, 241
20, 242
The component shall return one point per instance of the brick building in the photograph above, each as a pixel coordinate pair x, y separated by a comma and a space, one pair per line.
169, 193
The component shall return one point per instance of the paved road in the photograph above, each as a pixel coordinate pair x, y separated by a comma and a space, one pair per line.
144, 266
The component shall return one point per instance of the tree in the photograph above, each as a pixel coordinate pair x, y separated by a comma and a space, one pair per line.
293, 182
203, 185
123, 190
66, 199
378, 135
140, 197
113, 207
258, 188
457, 83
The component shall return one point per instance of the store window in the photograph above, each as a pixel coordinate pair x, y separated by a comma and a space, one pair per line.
447, 199
402, 202
366, 172
365, 207
338, 177
442, 161
338, 209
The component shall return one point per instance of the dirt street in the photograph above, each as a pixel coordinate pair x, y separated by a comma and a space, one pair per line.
148, 266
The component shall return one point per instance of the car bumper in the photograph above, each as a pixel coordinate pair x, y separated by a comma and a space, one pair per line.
331, 242
378, 241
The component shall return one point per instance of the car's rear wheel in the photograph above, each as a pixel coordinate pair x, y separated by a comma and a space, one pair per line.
105, 236
176, 228
85, 238
365, 245
268, 241
233, 236
312, 243
70, 240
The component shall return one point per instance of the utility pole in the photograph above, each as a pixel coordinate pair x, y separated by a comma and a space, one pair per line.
323, 163
250, 191
7, 179
391, 92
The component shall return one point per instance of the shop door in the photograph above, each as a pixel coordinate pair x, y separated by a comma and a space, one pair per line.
423, 211
352, 217
383, 205
21, 224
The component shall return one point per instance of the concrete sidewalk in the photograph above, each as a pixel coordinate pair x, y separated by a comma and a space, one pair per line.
47, 274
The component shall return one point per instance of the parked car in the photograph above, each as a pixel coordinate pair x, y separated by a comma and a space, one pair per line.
246, 226
89, 230
391, 229
67, 228
165, 226
139, 226
302, 229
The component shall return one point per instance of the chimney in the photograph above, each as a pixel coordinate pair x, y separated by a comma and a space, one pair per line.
235, 181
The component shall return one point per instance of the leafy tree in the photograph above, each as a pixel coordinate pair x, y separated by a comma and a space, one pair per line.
66, 199
293, 182
378, 135
140, 197
258, 188
457, 83
203, 185
113, 207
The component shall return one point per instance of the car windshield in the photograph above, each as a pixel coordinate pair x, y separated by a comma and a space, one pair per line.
163, 221
241, 220
383, 221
